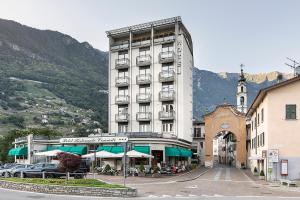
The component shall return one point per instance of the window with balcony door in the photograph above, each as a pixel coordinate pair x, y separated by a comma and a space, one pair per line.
122, 73
144, 108
167, 87
168, 67
144, 127
144, 90
144, 51
167, 126
144, 70
168, 107
122, 109
123, 128
197, 132
123, 92
167, 47
123, 54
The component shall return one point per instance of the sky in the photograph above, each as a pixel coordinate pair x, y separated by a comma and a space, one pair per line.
258, 33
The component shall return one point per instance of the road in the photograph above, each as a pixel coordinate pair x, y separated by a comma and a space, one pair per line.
218, 183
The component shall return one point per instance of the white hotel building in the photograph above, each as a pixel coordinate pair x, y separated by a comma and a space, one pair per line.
150, 86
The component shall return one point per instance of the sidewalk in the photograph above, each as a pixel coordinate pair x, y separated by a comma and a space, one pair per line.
164, 178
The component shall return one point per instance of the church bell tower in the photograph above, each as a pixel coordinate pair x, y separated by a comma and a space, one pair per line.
241, 96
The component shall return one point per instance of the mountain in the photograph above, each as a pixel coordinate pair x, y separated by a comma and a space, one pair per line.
211, 89
57, 64
50, 79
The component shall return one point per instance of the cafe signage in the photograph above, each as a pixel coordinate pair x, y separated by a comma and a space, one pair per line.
93, 140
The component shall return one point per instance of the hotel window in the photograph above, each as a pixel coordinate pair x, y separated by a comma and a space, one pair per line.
257, 119
197, 132
258, 141
123, 54
262, 115
123, 92
144, 108
168, 67
122, 73
167, 87
144, 127
144, 51
263, 139
290, 111
144, 70
167, 126
123, 128
167, 47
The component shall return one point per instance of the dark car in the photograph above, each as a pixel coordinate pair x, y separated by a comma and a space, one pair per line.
50, 170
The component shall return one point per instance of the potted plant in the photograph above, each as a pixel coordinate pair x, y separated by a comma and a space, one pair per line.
255, 172
141, 170
262, 175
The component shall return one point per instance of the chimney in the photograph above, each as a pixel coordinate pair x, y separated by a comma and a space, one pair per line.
297, 71
279, 78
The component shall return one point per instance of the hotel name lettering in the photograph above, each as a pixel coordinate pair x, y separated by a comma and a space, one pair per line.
93, 140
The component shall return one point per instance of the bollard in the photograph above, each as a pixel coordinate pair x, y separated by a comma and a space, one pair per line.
68, 175
6, 174
22, 174
43, 175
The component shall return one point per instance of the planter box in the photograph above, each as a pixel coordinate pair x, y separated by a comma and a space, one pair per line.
261, 177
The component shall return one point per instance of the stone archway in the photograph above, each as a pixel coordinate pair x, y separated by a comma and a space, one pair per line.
225, 118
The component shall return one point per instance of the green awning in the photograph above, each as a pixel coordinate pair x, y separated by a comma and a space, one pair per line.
112, 149
172, 152
185, 152
21, 151
79, 150
142, 149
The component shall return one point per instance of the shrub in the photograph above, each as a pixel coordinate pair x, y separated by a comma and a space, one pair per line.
142, 168
262, 173
68, 162
107, 168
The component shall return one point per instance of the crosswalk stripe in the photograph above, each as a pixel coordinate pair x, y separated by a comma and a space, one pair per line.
218, 174
227, 176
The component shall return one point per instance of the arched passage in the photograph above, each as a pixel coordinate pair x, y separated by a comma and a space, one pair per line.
228, 122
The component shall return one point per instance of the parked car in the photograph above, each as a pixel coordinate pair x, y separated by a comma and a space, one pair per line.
51, 171
7, 167
16, 170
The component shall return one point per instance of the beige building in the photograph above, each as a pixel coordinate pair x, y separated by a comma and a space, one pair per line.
275, 128
198, 144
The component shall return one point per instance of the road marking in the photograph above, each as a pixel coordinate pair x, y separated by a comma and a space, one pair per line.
192, 187
218, 174
227, 175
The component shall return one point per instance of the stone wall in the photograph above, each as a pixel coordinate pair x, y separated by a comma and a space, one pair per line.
70, 190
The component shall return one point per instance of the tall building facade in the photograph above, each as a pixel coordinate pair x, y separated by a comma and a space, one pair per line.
150, 80
241, 96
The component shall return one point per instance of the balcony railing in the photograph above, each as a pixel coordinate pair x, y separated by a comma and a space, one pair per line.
119, 46
122, 63
122, 81
122, 117
143, 116
166, 95
164, 39
141, 43
122, 99
143, 60
166, 76
143, 97
167, 115
143, 79
166, 56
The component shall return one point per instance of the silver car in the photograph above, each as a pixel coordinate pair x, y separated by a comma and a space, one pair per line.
16, 171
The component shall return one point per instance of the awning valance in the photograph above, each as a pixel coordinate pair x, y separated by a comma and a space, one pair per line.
172, 152
142, 149
21, 151
112, 149
185, 152
79, 150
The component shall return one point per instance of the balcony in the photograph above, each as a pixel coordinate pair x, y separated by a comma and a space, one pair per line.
143, 116
122, 99
166, 76
122, 63
122, 81
143, 97
141, 43
167, 115
143, 79
166, 57
122, 117
143, 60
119, 46
164, 39
166, 95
